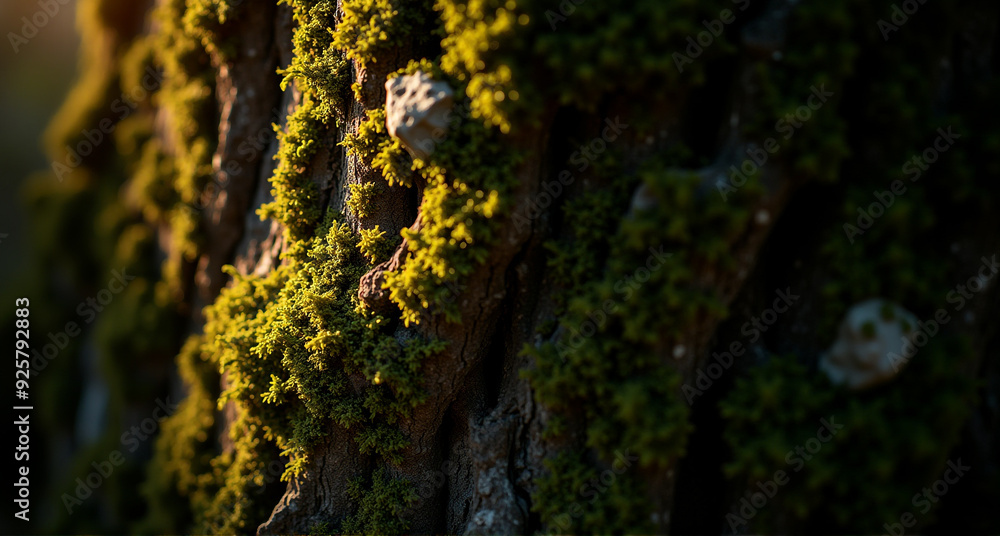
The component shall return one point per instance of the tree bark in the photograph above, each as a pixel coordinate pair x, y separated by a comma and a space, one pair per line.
477, 446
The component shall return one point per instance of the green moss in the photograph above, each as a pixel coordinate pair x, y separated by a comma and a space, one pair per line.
296, 197
318, 65
224, 494
577, 498
513, 56
205, 20
373, 27
608, 368
181, 469
372, 144
87, 231
375, 246
861, 478
321, 72
170, 179
361, 199
88, 102
467, 178
865, 475
287, 346
380, 503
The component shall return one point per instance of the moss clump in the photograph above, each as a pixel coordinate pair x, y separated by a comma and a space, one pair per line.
608, 365
511, 61
287, 346
170, 180
206, 20
375, 246
372, 144
464, 182
864, 474
185, 448
467, 178
318, 65
296, 197
581, 498
373, 27
322, 74
380, 503
226, 495
361, 199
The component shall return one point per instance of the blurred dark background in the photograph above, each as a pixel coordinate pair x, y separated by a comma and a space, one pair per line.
34, 79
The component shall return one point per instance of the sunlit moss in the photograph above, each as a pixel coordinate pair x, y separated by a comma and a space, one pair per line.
372, 27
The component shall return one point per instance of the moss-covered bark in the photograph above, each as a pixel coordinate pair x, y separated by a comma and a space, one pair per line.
512, 336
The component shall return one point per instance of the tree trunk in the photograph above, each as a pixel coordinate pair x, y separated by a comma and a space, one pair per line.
604, 299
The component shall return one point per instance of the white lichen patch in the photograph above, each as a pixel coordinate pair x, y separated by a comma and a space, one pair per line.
871, 334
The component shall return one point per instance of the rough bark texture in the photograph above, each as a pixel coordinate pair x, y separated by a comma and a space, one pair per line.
476, 446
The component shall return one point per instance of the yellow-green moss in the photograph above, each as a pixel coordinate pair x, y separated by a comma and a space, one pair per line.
375, 246
183, 454
372, 144
286, 345
360, 201
204, 19
296, 197
512, 56
467, 178
372, 27
318, 66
